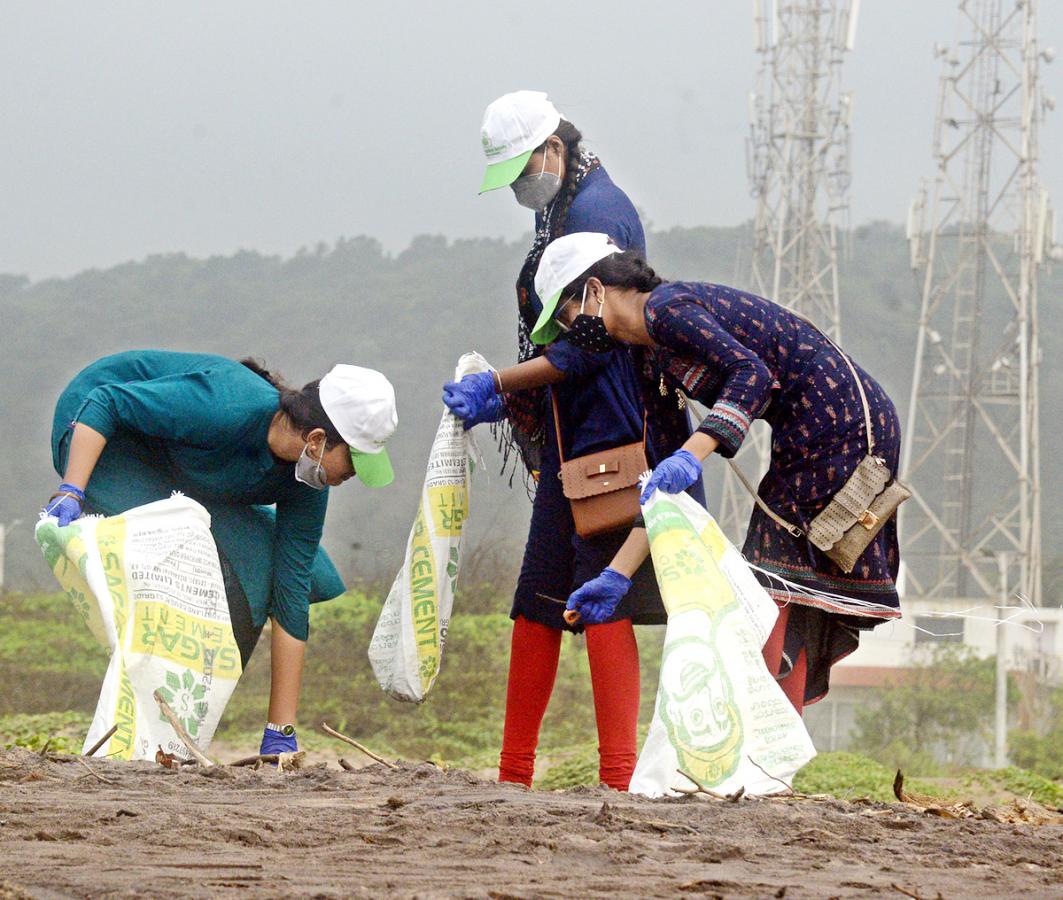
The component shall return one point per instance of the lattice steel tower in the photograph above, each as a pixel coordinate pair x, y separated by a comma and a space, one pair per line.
971, 449
798, 161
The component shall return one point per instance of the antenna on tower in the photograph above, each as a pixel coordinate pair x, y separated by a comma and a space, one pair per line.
972, 443
798, 160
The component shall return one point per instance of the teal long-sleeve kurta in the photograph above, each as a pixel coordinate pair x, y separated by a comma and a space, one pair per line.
200, 423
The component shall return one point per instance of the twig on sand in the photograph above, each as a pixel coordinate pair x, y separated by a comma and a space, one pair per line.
699, 788
95, 775
208, 865
257, 758
789, 789
357, 746
199, 755
908, 893
110, 734
346, 766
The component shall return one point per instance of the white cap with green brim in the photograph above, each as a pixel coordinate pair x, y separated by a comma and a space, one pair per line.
514, 125
361, 404
562, 262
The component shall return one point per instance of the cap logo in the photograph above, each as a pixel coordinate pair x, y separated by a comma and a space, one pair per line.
490, 150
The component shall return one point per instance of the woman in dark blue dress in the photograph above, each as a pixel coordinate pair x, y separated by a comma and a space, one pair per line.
746, 358
533, 150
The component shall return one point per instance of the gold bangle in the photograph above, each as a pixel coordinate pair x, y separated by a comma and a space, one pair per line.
498, 382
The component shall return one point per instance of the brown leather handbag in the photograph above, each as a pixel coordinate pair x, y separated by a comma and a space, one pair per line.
602, 488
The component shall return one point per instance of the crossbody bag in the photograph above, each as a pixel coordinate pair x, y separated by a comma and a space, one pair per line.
602, 488
858, 512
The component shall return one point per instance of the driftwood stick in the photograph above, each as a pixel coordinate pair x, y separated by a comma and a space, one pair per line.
171, 717
95, 775
789, 789
346, 766
257, 758
356, 745
699, 788
110, 734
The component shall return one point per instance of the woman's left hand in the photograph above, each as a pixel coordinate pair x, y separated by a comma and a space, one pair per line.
673, 475
595, 601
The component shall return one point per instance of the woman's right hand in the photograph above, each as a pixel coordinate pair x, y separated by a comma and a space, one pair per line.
474, 399
65, 504
597, 600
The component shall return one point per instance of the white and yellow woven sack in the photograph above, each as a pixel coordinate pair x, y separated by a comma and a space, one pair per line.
149, 586
407, 646
720, 715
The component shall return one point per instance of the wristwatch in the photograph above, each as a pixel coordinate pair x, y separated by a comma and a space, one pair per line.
286, 730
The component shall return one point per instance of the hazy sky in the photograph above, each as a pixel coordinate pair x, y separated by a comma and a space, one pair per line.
141, 127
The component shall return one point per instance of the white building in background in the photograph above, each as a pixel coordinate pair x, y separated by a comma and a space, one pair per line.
1033, 647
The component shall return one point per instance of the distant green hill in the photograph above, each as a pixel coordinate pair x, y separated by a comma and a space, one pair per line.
410, 315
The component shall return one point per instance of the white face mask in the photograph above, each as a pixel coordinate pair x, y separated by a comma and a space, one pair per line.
309, 471
537, 191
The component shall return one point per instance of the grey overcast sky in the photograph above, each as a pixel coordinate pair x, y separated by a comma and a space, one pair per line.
142, 127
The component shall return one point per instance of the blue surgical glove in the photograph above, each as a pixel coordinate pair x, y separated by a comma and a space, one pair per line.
66, 503
598, 599
673, 475
473, 399
275, 742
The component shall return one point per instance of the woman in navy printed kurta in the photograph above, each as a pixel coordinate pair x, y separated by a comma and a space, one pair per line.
746, 358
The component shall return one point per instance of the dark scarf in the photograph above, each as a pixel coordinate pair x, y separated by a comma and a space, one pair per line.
524, 427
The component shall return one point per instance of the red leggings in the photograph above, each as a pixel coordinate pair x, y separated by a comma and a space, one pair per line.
614, 661
793, 685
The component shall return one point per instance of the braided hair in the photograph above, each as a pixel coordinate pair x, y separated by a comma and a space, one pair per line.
571, 136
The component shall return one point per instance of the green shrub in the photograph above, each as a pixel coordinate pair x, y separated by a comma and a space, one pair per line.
1023, 783
577, 766
851, 775
63, 732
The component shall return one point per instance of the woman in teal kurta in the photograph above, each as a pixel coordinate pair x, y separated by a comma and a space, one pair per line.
134, 427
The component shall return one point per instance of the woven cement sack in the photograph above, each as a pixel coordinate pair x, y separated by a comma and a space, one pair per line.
407, 646
149, 586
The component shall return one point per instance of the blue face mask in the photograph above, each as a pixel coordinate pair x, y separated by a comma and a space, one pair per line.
309, 471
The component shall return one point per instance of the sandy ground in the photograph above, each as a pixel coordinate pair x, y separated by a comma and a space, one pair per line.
418, 831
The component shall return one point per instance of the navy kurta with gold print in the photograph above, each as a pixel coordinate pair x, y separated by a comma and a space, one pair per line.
747, 358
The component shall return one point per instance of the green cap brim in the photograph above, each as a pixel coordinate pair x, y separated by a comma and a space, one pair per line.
373, 469
546, 329
504, 173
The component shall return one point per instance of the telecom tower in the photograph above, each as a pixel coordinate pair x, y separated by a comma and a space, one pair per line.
971, 450
798, 161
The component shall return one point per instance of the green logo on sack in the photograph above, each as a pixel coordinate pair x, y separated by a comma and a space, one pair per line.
185, 697
697, 708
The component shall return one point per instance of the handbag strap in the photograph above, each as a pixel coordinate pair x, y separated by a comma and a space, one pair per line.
775, 517
863, 397
856, 378
557, 425
779, 520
